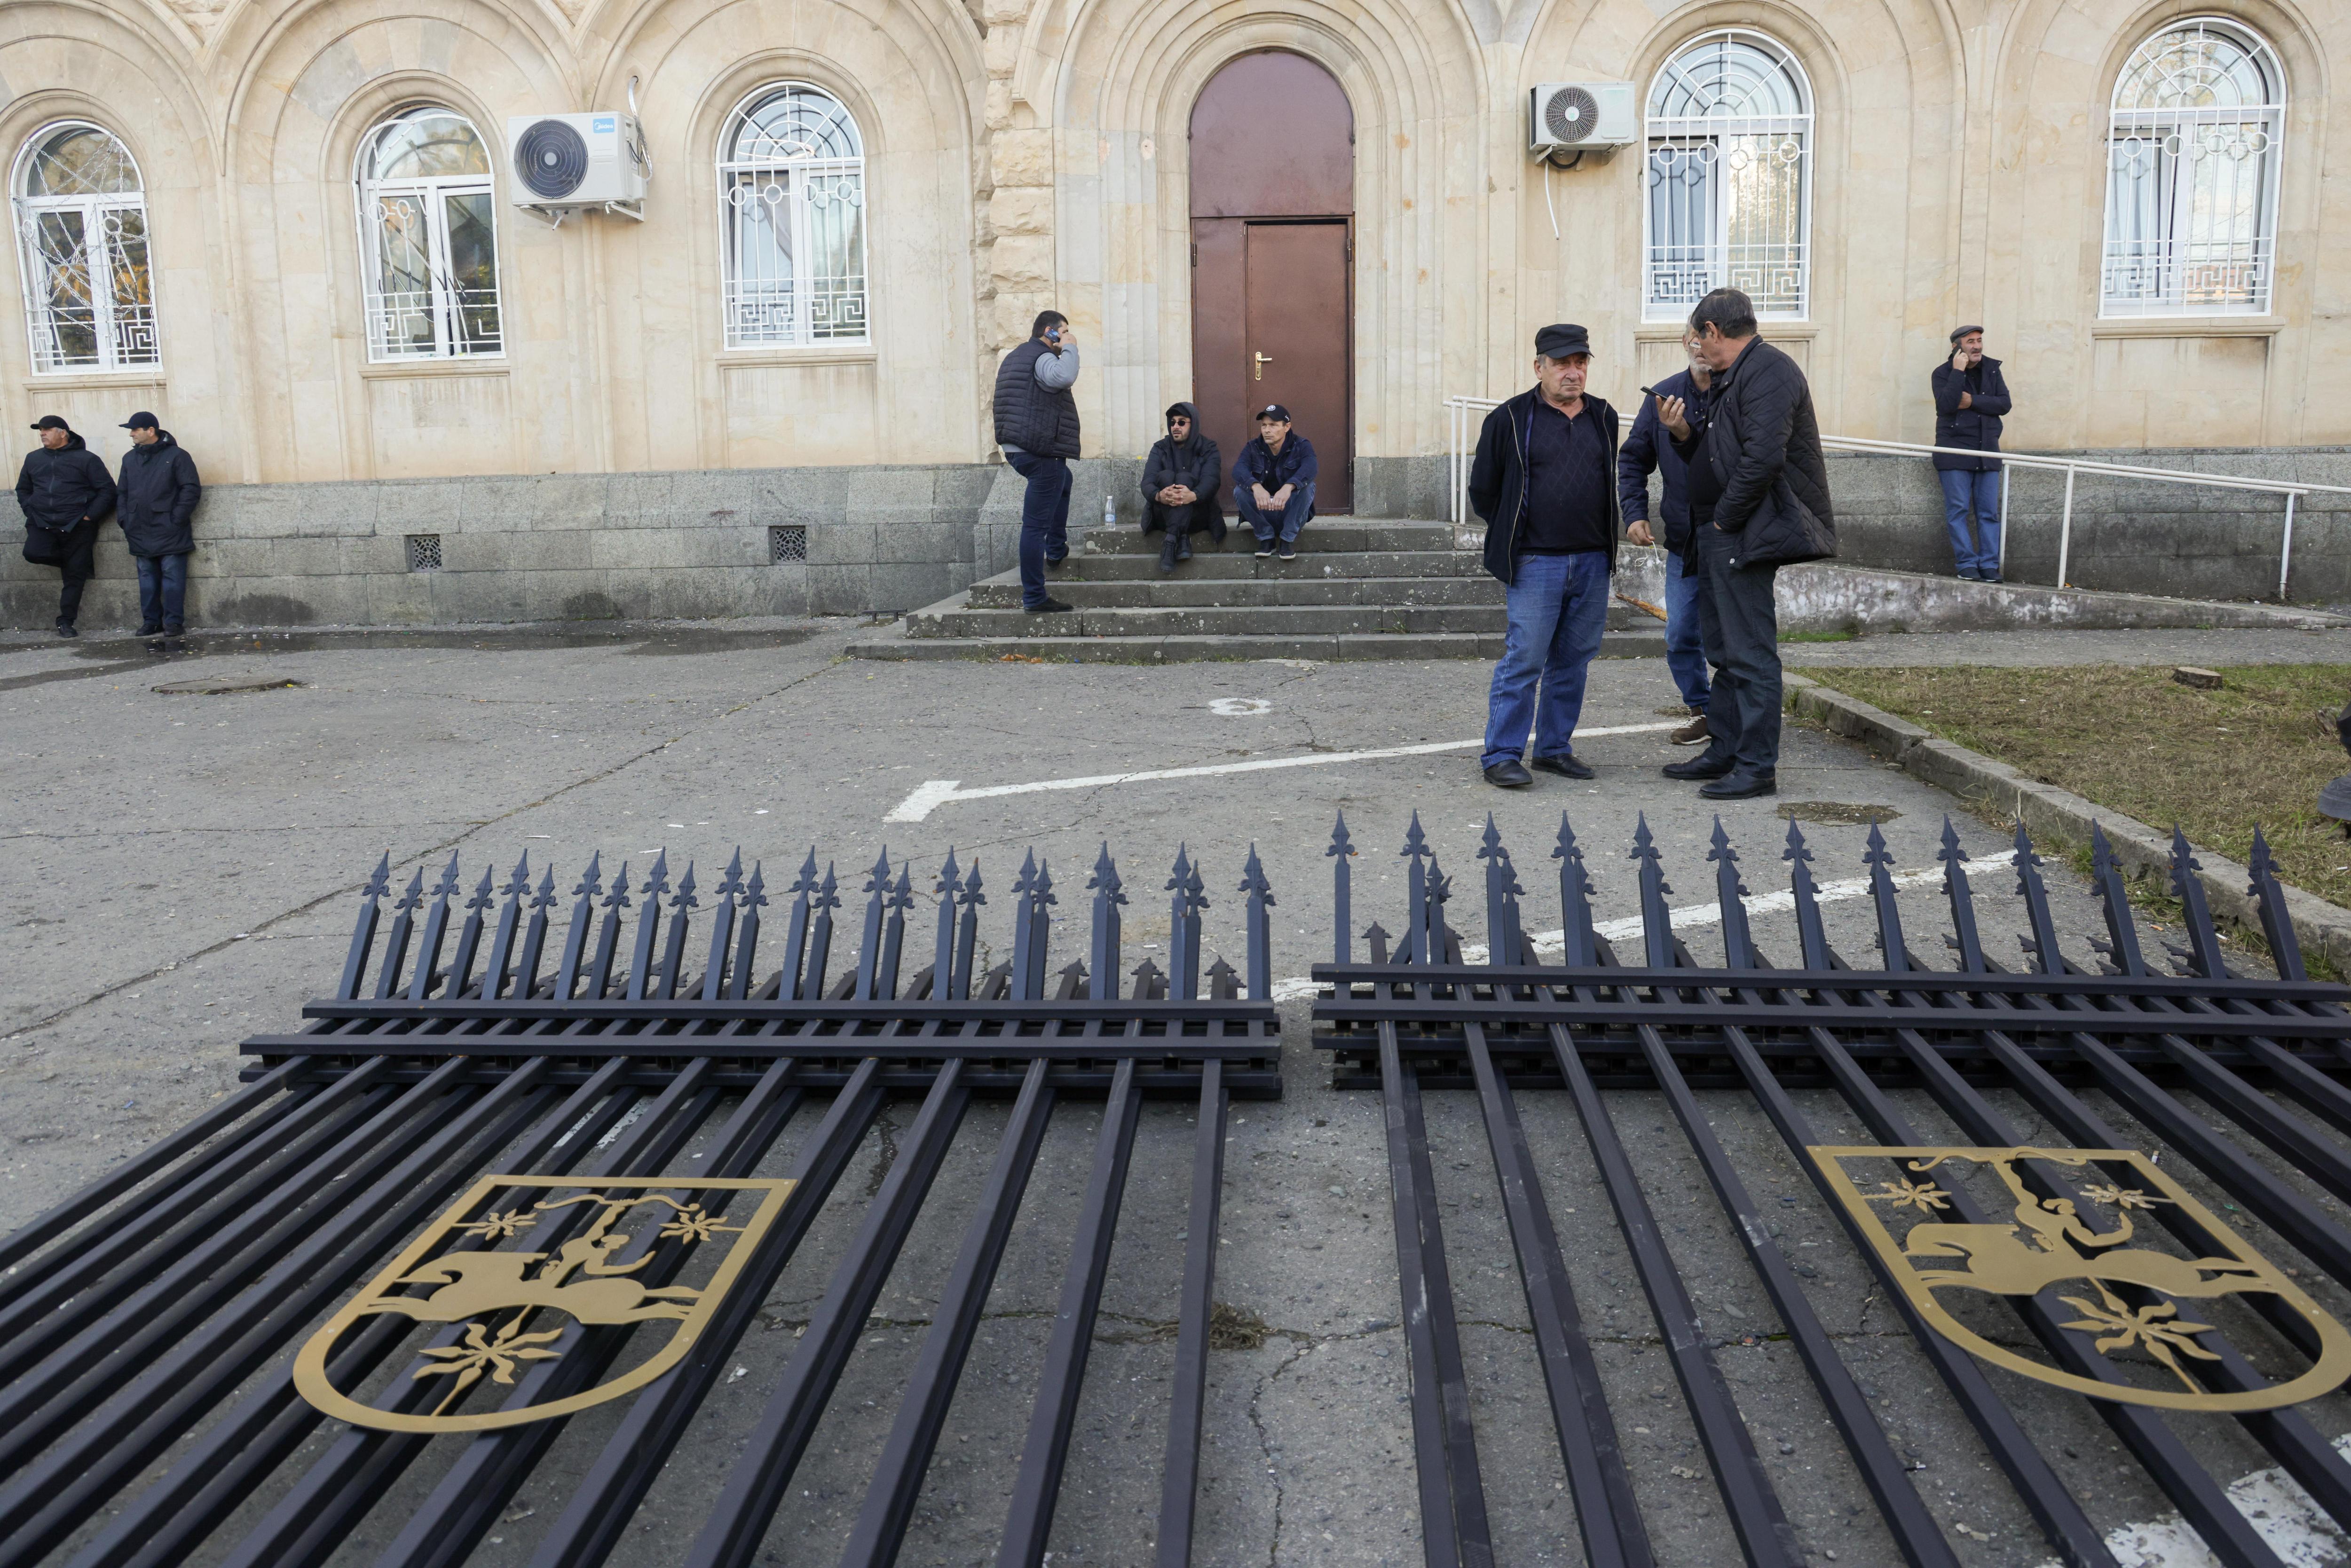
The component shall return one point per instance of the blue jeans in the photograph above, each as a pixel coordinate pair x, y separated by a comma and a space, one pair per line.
1557, 609
162, 590
1044, 519
1685, 648
1963, 492
1284, 524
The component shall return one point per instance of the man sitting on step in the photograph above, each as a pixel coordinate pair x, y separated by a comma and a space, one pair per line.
1180, 479
1273, 483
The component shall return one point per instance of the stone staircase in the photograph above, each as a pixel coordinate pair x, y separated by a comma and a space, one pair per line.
1361, 588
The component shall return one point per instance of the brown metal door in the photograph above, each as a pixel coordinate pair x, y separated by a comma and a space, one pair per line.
1296, 331
1264, 283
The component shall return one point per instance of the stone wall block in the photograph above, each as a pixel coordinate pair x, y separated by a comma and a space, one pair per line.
633, 500
921, 541
849, 542
905, 586
1023, 263
996, 108
494, 503
421, 506
841, 590
1000, 52
782, 589
1020, 158
1021, 210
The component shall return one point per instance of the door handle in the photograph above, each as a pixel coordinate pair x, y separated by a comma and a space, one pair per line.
1263, 360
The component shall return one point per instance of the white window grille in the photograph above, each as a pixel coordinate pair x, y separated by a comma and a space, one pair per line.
428, 239
2192, 154
791, 204
1729, 190
82, 236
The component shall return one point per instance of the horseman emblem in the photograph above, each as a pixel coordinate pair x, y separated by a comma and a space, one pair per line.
551, 1294
2071, 1218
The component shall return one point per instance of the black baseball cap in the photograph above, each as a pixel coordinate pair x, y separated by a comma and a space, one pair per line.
1273, 410
142, 420
1561, 339
52, 422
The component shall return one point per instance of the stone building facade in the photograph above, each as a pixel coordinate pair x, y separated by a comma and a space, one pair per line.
2130, 196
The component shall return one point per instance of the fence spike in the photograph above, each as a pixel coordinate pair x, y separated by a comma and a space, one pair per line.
1416, 889
2277, 923
2203, 951
942, 945
1965, 939
826, 900
1149, 983
730, 880
608, 934
533, 942
673, 960
1375, 937
1729, 896
747, 937
1220, 979
2042, 943
379, 883
1023, 928
1879, 859
900, 899
469, 939
1576, 892
722, 927
967, 932
1040, 897
1259, 927
1342, 852
1810, 936
583, 918
796, 928
437, 930
869, 945
1105, 952
1657, 920
395, 945
1179, 882
640, 959
2122, 930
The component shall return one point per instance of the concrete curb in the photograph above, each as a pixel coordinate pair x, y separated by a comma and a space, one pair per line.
2050, 813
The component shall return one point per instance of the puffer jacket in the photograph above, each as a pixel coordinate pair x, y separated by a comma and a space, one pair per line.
156, 500
1196, 465
58, 489
1039, 420
1763, 443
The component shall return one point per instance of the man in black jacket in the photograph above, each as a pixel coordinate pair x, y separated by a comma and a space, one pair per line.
1037, 428
1649, 450
1971, 395
1758, 501
156, 505
1544, 479
1180, 478
65, 493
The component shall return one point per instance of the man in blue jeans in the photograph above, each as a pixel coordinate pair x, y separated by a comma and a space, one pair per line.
1037, 428
1544, 479
155, 502
1273, 483
1646, 451
1971, 396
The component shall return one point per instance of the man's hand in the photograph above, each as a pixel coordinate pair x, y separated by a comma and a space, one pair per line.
1174, 496
1638, 532
1674, 414
1264, 501
1280, 499
1966, 399
1958, 359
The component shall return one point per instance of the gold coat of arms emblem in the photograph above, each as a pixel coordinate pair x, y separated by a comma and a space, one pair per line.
528, 1283
2135, 1299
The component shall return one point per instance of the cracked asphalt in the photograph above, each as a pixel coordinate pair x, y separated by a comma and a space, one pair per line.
184, 870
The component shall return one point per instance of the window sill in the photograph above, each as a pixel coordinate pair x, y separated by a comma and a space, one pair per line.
2187, 325
74, 380
807, 354
465, 365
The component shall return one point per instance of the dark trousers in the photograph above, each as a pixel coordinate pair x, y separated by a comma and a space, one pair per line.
80, 565
1739, 626
1044, 519
1202, 516
162, 591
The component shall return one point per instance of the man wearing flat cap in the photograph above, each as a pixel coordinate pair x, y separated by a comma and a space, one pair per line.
157, 508
1971, 395
1544, 479
65, 493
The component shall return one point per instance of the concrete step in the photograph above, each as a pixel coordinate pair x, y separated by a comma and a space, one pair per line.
1169, 650
1122, 566
1003, 592
1320, 537
1274, 621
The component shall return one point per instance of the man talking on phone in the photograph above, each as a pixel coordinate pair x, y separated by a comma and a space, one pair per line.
1971, 396
1037, 429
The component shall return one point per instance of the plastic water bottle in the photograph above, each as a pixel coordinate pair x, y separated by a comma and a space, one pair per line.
1109, 512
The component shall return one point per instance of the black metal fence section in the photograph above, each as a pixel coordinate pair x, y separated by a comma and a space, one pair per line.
2267, 1055
159, 1309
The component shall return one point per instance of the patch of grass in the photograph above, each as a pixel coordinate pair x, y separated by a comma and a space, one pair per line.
2216, 764
1846, 636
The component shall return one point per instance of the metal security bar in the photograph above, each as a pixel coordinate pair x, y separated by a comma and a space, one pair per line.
2106, 1307
522, 1167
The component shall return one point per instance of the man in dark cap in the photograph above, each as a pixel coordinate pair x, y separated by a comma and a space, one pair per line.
1273, 483
156, 506
1971, 395
1179, 486
65, 494
1544, 479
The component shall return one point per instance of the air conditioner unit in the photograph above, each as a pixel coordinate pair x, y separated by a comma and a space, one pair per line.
567, 162
1582, 117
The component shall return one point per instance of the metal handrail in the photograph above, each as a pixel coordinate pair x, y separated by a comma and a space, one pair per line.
1459, 409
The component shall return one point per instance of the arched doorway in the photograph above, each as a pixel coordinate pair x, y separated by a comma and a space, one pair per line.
1273, 183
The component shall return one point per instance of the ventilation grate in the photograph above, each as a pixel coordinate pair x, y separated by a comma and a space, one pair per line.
425, 552
787, 541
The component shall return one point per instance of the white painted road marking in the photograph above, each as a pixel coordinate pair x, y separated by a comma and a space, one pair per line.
1548, 944
929, 797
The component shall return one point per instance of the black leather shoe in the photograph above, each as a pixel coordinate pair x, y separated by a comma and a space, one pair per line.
1744, 784
1050, 605
152, 629
1509, 774
1707, 766
1169, 553
1566, 765
65, 628
1184, 548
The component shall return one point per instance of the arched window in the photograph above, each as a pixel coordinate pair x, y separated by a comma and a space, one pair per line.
791, 195
428, 239
2192, 173
1730, 177
82, 236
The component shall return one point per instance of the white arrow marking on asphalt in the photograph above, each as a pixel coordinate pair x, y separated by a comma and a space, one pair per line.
1550, 944
929, 797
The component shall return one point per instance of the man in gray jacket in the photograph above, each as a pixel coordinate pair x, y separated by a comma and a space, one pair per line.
1759, 495
1037, 429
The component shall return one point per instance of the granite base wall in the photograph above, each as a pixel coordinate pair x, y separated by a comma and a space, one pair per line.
886, 540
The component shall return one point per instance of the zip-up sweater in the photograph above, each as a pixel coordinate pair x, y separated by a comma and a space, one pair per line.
1498, 479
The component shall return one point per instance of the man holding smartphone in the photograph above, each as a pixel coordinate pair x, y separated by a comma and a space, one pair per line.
1037, 429
1971, 395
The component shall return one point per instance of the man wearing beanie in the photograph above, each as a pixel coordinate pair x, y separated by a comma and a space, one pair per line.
1544, 479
